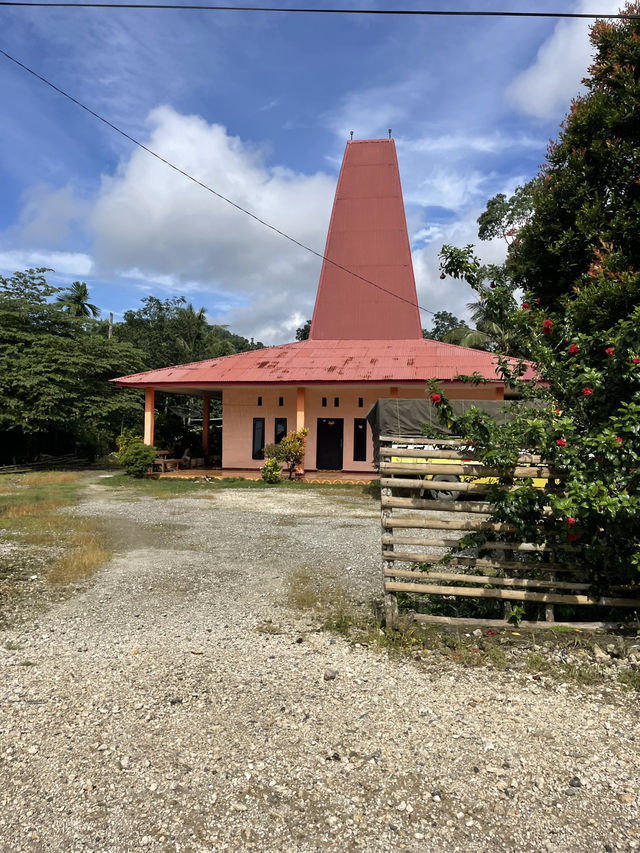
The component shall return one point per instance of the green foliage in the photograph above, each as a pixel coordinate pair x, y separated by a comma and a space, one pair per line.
503, 217
55, 370
575, 254
290, 451
302, 334
172, 331
444, 322
492, 312
270, 471
517, 614
75, 300
128, 436
137, 458
579, 250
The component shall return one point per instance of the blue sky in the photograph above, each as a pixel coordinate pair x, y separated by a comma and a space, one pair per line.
259, 106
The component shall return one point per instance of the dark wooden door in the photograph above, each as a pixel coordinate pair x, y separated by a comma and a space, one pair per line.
329, 444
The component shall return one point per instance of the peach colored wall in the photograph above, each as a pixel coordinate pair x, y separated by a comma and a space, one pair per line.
240, 406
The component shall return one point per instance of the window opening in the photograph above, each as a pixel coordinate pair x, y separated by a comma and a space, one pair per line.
359, 440
257, 450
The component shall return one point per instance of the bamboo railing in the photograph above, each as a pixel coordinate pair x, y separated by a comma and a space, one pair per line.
422, 514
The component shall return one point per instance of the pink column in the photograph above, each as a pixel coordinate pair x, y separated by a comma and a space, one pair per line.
148, 415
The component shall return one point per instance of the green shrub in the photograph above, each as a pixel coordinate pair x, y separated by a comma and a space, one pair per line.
271, 471
128, 436
137, 458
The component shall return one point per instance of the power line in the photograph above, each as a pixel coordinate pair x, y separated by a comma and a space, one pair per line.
206, 187
459, 13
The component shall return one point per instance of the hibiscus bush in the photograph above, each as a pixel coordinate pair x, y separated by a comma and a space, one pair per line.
569, 292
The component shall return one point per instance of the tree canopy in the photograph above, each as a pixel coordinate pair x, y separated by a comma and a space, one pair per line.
54, 372
56, 361
574, 253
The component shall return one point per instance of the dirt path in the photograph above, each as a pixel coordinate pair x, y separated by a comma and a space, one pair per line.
157, 713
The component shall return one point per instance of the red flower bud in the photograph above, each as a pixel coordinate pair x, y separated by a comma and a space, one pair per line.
609, 351
569, 520
561, 442
573, 349
571, 537
547, 324
635, 360
618, 439
538, 299
587, 392
435, 399
525, 306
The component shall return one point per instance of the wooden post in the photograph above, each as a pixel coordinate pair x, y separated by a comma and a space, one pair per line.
206, 413
390, 598
110, 333
148, 415
549, 612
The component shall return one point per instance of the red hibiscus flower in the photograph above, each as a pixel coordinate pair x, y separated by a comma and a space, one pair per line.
561, 442
609, 351
569, 520
573, 349
587, 392
635, 360
618, 439
525, 306
435, 399
546, 327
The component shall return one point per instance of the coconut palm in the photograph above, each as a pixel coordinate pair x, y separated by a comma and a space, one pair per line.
76, 301
191, 332
489, 333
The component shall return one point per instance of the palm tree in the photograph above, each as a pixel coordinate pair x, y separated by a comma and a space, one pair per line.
191, 328
489, 334
76, 301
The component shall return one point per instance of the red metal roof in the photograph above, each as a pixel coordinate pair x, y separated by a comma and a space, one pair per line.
327, 362
368, 236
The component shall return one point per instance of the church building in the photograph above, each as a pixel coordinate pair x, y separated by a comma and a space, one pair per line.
365, 341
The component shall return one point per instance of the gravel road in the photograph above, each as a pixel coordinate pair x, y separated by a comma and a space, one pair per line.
158, 708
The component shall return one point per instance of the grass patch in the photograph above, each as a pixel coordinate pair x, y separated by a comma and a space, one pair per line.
499, 650
630, 678
172, 486
85, 551
55, 547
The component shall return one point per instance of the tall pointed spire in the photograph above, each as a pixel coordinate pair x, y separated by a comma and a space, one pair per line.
367, 236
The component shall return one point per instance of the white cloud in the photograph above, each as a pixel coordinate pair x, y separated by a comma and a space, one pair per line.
545, 89
47, 217
369, 113
153, 224
460, 143
452, 189
450, 294
68, 264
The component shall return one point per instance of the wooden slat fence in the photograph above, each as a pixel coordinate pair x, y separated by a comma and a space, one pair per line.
417, 530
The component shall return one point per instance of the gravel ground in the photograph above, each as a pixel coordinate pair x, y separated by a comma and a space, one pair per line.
153, 711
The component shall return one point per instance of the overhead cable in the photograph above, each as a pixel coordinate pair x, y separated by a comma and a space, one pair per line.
205, 186
192, 7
